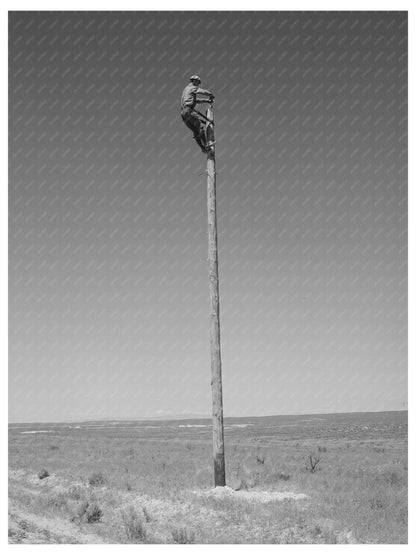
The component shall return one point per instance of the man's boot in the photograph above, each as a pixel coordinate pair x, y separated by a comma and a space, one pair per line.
200, 143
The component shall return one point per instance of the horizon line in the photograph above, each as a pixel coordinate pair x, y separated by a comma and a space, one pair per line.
192, 416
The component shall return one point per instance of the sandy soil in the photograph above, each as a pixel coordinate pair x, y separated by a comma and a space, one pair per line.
253, 495
29, 528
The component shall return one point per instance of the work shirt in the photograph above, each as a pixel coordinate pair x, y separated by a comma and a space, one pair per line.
189, 95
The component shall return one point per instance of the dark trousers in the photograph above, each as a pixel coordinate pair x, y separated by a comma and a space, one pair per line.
192, 121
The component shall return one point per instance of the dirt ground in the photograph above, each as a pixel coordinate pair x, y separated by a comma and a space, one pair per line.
134, 483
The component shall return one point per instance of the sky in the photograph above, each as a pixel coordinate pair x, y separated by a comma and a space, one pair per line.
108, 273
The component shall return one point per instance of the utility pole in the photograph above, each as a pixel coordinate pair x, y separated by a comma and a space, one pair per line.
216, 378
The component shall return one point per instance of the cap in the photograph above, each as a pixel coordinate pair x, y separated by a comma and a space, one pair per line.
195, 78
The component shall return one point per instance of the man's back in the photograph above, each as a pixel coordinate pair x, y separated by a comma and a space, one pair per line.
189, 96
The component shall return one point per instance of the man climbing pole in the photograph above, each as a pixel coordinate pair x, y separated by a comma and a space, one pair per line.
190, 116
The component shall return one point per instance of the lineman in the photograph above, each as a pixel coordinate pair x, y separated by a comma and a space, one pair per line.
189, 116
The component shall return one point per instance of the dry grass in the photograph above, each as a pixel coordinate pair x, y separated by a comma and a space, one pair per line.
118, 487
134, 526
96, 479
182, 535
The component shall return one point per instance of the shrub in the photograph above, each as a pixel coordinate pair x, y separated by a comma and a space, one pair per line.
146, 515
393, 478
181, 535
96, 479
133, 525
43, 474
313, 463
75, 492
55, 501
24, 524
376, 503
81, 510
276, 477
93, 513
47, 535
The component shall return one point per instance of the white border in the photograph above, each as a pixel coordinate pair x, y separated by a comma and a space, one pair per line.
220, 5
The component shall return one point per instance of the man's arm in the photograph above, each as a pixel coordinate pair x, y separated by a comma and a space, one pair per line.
204, 92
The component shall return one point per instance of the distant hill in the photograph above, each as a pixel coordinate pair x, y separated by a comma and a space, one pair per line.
227, 418
190, 416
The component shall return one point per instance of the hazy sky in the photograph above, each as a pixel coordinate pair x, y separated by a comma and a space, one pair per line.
108, 275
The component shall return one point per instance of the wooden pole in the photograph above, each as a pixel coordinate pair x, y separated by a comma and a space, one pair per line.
216, 378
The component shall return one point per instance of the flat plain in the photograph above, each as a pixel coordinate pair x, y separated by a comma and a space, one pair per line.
309, 479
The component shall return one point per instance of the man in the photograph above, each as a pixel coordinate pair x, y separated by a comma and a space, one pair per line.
189, 116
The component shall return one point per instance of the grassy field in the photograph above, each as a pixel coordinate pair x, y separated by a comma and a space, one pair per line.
151, 482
